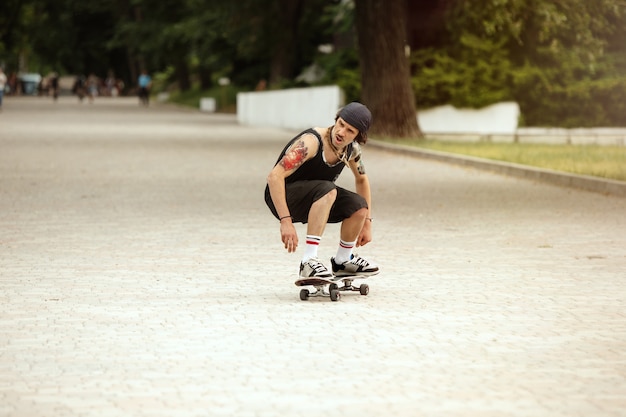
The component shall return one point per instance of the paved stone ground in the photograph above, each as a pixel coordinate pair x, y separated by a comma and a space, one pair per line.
141, 275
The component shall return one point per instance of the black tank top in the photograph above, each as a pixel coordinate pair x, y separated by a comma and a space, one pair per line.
315, 168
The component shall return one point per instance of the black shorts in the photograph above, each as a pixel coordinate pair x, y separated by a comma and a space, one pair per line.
302, 194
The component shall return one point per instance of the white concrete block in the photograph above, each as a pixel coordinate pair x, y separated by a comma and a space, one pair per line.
208, 104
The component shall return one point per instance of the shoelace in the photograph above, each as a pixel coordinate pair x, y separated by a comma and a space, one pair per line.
318, 266
357, 260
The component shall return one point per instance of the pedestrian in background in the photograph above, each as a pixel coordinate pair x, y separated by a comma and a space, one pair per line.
145, 83
79, 87
3, 83
92, 87
54, 85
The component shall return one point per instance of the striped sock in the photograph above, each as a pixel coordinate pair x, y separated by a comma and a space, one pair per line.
312, 243
344, 252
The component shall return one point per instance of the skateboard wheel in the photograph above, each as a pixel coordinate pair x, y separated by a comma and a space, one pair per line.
304, 294
364, 289
333, 286
334, 294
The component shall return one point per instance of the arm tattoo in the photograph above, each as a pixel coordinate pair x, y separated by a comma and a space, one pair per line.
360, 167
357, 159
295, 156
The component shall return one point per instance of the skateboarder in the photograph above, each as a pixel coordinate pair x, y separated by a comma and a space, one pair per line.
301, 188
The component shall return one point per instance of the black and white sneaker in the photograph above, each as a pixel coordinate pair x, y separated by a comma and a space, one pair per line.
355, 266
313, 268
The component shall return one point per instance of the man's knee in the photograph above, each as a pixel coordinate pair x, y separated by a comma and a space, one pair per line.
328, 199
360, 214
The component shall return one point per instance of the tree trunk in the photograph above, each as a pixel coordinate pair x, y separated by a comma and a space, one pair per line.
181, 71
286, 24
280, 66
205, 75
385, 75
135, 66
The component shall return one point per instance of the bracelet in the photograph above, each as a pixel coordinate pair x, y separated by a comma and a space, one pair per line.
370, 219
284, 217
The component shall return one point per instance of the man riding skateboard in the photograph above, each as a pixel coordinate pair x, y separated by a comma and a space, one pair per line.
301, 188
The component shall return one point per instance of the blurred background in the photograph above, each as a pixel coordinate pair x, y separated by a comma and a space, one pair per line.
563, 62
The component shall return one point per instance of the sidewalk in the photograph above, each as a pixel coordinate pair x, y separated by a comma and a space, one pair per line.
142, 275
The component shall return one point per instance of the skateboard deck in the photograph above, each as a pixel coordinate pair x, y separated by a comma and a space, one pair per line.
330, 287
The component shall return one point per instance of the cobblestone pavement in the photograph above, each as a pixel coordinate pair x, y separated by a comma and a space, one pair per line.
142, 275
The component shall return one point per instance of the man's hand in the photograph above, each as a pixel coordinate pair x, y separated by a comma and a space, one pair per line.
288, 235
366, 234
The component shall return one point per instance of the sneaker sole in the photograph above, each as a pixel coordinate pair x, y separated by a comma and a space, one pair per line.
340, 274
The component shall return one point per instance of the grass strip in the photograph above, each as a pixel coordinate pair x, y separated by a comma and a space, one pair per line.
593, 160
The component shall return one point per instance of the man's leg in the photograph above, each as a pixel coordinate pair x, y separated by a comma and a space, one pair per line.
351, 227
316, 223
318, 215
353, 209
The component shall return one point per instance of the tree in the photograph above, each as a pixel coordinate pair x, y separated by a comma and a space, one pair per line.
153, 33
561, 61
385, 75
566, 58
274, 39
10, 27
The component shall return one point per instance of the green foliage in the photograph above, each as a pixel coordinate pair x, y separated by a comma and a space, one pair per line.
569, 93
342, 68
349, 81
475, 76
563, 62
225, 97
162, 80
587, 103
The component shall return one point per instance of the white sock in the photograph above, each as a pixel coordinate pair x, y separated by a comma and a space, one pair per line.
344, 251
310, 251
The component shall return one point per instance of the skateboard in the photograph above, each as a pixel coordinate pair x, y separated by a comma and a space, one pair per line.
331, 287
